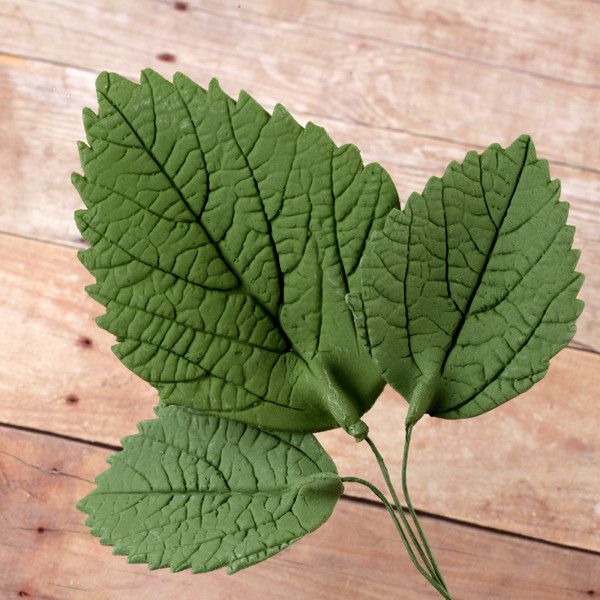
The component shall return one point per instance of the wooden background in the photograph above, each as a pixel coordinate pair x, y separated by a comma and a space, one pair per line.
511, 500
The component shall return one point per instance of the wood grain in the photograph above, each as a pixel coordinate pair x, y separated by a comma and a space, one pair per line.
549, 39
356, 553
414, 85
332, 73
41, 117
529, 467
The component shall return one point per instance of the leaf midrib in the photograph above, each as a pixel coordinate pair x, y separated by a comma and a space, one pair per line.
230, 265
231, 492
523, 344
460, 325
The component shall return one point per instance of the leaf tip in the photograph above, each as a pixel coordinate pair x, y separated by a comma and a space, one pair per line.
279, 110
543, 165
93, 290
90, 118
174, 568
79, 215
81, 256
311, 127
244, 96
179, 77
149, 76
353, 149
82, 505
83, 150
148, 73
77, 180
525, 140
576, 254
103, 81
214, 85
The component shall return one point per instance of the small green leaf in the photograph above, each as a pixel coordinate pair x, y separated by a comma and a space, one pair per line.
223, 242
470, 290
199, 492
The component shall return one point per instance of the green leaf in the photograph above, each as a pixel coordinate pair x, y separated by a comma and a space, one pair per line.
195, 491
223, 242
470, 290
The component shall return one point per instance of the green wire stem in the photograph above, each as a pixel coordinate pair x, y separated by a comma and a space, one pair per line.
390, 486
433, 571
377, 492
412, 510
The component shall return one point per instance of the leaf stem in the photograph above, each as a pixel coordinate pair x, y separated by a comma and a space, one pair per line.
388, 481
390, 508
411, 509
433, 572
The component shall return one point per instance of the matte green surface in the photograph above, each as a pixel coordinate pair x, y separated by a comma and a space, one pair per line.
224, 241
199, 492
470, 290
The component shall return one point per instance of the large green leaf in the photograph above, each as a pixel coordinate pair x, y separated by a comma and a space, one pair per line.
195, 491
224, 241
470, 290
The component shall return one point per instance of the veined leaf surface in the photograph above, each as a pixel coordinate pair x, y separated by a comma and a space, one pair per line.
223, 242
470, 290
200, 492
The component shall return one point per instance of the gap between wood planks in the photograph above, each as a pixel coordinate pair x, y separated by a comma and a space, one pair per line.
55, 94
346, 496
356, 550
575, 345
510, 478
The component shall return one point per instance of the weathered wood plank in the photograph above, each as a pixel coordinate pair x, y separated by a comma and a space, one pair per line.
545, 39
51, 555
528, 467
414, 85
41, 121
41, 118
356, 78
